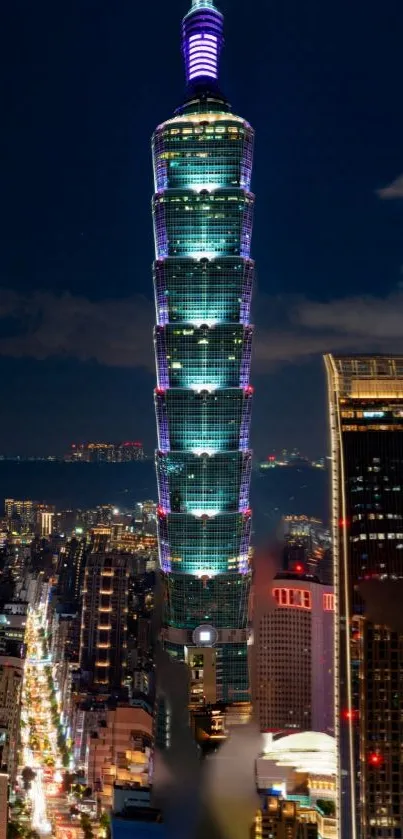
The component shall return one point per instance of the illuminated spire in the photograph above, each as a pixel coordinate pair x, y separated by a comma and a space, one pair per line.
202, 40
203, 4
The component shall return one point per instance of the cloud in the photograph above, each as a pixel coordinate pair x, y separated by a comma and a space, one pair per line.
118, 333
393, 190
351, 324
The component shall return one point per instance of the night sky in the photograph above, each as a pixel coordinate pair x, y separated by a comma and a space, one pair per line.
84, 84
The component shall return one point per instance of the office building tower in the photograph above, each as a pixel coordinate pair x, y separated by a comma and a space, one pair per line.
71, 569
45, 520
104, 621
202, 211
294, 655
366, 424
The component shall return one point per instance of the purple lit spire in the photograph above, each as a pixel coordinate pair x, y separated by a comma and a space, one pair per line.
202, 39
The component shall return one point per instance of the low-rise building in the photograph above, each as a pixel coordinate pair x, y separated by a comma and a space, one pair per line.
119, 750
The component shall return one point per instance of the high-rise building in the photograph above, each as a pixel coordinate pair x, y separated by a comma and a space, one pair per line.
293, 655
71, 570
202, 210
21, 513
104, 621
45, 520
366, 424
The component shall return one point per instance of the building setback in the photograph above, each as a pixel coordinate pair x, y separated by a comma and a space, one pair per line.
202, 213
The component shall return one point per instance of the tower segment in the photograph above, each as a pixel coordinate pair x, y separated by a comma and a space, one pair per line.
203, 273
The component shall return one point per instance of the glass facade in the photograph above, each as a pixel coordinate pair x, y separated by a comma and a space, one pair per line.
203, 274
366, 420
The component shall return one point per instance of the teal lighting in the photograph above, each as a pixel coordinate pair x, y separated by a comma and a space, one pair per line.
203, 276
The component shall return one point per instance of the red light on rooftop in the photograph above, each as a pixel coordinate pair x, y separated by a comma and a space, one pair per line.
298, 568
271, 458
375, 759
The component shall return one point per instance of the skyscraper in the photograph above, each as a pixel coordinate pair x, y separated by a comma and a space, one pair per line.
293, 652
366, 423
202, 212
103, 641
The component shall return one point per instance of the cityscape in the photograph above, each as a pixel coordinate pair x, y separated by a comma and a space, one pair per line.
196, 641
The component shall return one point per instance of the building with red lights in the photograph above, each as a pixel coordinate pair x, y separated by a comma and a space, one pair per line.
366, 424
293, 654
307, 547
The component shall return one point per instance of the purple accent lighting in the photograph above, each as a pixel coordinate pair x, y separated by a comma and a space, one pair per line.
161, 358
246, 294
202, 39
163, 543
245, 422
243, 567
246, 357
162, 422
245, 481
163, 485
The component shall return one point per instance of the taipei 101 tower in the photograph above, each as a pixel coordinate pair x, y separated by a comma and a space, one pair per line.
203, 275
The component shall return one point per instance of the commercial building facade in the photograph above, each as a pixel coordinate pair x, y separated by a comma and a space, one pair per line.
202, 212
366, 423
103, 640
293, 655
11, 675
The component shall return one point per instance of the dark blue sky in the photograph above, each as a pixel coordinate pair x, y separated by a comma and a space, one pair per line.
85, 84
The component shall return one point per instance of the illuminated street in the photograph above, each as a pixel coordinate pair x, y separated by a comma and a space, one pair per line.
43, 749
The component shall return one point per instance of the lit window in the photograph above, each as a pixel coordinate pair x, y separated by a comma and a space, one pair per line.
328, 602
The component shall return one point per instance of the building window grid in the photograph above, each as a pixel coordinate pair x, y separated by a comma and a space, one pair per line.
194, 224
189, 483
218, 421
216, 357
182, 161
210, 545
203, 291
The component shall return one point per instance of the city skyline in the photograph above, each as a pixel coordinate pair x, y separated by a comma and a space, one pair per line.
214, 649
76, 249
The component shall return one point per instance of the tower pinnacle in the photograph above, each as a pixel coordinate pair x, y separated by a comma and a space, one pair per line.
203, 4
202, 40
